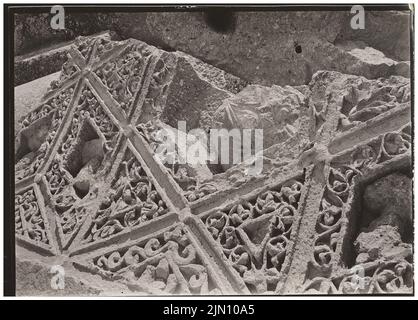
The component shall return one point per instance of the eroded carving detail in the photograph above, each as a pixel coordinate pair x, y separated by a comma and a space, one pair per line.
339, 189
255, 234
35, 145
68, 70
29, 221
377, 278
86, 148
123, 76
132, 200
165, 264
103, 192
158, 87
372, 98
84, 45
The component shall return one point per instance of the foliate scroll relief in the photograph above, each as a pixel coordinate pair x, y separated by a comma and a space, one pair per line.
337, 203
80, 165
84, 45
380, 246
30, 223
69, 223
255, 235
39, 130
85, 148
111, 217
132, 200
391, 277
91, 128
165, 264
124, 75
332, 215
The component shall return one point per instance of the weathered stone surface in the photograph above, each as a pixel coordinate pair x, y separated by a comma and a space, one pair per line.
275, 110
33, 31
32, 68
261, 47
282, 114
387, 31
331, 203
43, 62
357, 99
29, 95
195, 92
389, 201
34, 279
287, 42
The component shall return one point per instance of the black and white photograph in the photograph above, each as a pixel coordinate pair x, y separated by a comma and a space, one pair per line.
210, 150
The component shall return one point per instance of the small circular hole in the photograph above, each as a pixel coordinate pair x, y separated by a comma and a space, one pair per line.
298, 48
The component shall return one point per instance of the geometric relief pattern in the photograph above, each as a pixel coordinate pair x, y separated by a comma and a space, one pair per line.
100, 189
39, 129
117, 212
389, 277
192, 189
338, 206
132, 200
31, 224
256, 234
338, 193
70, 173
163, 264
121, 76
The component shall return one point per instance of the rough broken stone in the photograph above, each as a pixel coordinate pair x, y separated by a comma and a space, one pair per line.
389, 200
261, 47
275, 110
383, 242
287, 42
386, 31
33, 31
357, 99
333, 196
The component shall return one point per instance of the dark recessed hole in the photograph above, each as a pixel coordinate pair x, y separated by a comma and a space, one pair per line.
81, 188
298, 48
220, 20
88, 149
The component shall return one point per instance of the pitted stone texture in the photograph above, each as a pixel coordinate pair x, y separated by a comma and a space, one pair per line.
269, 47
34, 279
44, 61
110, 210
261, 47
387, 31
281, 112
275, 110
388, 200
33, 31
